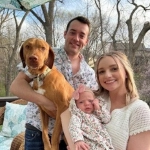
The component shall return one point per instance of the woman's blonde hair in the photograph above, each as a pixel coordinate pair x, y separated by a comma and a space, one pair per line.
130, 82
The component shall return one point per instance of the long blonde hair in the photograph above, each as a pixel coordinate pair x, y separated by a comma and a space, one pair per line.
130, 82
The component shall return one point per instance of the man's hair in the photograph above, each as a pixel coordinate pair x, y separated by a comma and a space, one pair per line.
80, 19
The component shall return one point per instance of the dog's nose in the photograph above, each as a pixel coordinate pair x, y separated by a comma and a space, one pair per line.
33, 58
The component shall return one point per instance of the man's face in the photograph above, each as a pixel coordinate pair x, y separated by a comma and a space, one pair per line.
76, 37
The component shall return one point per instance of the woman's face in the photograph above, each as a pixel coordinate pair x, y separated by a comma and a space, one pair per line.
111, 74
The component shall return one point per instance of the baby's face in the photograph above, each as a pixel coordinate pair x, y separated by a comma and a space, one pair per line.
85, 102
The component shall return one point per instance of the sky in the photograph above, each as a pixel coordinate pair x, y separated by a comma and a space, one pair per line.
107, 8
81, 5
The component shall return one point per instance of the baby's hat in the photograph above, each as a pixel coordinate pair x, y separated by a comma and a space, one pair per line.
81, 88
72, 107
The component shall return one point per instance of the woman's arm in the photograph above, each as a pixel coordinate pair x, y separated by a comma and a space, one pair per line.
140, 141
139, 127
21, 88
65, 119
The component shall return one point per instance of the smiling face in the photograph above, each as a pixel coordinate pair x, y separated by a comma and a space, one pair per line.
76, 37
111, 74
85, 102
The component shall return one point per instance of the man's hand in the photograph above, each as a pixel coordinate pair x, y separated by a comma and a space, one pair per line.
27, 93
46, 103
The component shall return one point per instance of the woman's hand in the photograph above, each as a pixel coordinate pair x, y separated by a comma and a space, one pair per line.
81, 145
68, 148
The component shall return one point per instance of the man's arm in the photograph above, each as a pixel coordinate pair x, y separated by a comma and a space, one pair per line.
21, 88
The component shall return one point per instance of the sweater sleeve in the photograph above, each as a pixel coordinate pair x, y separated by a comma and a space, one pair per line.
75, 129
140, 119
103, 114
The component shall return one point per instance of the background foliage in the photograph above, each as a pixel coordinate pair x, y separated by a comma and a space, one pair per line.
115, 25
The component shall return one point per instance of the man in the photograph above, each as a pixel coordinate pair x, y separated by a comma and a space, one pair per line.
72, 65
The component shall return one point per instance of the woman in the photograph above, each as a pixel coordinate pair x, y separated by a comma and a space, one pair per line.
129, 127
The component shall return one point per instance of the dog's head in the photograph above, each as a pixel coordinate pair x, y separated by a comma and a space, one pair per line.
36, 53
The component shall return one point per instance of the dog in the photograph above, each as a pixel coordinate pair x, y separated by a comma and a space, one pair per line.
38, 56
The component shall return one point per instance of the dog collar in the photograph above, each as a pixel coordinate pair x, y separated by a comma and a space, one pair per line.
41, 77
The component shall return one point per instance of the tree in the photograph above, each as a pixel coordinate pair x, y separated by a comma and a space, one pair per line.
12, 51
133, 46
4, 18
144, 87
47, 20
134, 41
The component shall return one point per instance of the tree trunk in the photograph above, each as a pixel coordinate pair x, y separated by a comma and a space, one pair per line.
14, 50
48, 20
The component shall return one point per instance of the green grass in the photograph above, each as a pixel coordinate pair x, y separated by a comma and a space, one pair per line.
1, 127
2, 90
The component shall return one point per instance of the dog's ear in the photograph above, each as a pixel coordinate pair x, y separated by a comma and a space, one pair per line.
22, 57
50, 60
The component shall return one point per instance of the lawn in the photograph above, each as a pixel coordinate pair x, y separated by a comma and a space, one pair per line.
0, 127
2, 90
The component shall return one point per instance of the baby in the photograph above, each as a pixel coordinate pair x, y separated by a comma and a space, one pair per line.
88, 118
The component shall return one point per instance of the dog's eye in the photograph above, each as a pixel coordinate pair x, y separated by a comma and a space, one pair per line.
27, 47
43, 48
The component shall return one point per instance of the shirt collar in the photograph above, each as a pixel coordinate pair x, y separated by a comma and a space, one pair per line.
65, 56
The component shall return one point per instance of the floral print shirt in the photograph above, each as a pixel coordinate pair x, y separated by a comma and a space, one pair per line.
85, 75
90, 127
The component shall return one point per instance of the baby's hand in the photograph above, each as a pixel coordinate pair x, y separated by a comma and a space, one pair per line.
96, 104
81, 145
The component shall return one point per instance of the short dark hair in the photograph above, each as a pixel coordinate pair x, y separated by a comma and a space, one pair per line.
80, 19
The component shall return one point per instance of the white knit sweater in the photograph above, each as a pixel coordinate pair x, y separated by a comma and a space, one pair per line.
127, 121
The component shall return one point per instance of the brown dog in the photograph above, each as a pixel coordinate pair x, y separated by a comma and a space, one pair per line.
38, 56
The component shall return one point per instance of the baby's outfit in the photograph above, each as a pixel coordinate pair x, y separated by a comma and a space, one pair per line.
90, 128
